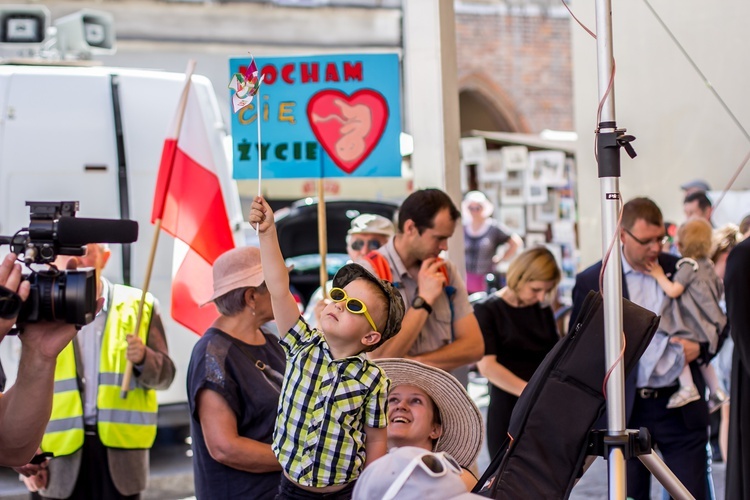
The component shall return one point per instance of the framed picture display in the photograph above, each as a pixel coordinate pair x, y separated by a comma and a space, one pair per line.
535, 239
567, 209
515, 158
512, 194
491, 169
548, 211
535, 192
547, 167
532, 224
514, 177
473, 150
513, 218
490, 191
563, 231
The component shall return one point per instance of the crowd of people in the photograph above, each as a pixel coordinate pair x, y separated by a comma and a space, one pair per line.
363, 395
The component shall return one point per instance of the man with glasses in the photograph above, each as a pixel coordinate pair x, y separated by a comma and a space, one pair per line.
681, 434
368, 232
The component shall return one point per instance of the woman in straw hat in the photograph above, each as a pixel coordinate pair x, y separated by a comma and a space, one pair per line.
482, 237
233, 380
519, 330
430, 409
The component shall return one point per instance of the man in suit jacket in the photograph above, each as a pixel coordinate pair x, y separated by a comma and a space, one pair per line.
100, 442
681, 434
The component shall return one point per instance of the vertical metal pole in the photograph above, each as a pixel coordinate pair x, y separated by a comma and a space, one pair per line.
609, 173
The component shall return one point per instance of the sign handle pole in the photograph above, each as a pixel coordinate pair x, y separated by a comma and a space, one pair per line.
322, 236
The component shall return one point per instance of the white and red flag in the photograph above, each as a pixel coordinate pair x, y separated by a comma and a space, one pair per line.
189, 202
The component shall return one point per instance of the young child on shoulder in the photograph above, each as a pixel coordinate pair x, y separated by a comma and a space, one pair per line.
692, 308
332, 410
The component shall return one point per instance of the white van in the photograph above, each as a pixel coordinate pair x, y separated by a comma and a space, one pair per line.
95, 135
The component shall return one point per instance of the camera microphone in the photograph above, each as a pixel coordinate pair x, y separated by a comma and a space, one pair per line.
75, 231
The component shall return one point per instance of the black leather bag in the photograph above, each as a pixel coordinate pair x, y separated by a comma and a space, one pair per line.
551, 421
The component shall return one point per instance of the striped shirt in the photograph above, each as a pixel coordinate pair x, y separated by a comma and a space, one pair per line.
324, 407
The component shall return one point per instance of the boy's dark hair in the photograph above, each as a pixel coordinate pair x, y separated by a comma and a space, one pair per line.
422, 206
700, 196
393, 303
641, 208
385, 333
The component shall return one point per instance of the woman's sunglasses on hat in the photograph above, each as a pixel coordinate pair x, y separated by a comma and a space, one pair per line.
435, 464
353, 305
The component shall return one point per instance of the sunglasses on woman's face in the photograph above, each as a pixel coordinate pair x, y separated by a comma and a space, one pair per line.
434, 464
358, 245
354, 306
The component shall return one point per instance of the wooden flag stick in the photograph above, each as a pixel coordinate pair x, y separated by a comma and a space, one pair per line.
146, 282
125, 386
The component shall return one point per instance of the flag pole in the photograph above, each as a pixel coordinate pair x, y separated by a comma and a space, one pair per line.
125, 387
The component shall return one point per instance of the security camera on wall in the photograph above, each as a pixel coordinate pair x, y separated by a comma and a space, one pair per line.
86, 32
23, 28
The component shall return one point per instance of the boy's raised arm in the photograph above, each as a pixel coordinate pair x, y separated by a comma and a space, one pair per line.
285, 308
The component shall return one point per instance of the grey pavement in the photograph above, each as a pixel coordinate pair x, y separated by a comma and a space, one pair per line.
172, 473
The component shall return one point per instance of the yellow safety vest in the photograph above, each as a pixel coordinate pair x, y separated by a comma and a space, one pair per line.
121, 423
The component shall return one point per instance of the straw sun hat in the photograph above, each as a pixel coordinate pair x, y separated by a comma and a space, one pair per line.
463, 430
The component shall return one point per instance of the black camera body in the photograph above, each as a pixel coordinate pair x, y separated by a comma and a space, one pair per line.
60, 295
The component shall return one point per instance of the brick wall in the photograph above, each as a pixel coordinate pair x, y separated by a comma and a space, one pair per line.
524, 60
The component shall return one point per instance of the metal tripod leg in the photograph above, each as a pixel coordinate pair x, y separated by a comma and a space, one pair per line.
665, 476
617, 449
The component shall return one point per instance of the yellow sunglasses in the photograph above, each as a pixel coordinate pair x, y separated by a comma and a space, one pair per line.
355, 306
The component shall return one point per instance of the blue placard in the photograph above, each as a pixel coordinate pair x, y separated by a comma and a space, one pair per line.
325, 115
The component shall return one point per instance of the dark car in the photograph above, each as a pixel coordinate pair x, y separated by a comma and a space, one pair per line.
297, 228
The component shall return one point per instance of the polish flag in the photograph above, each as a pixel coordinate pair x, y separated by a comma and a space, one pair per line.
190, 205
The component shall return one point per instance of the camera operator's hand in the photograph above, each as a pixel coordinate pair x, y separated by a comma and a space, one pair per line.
136, 352
31, 469
37, 481
48, 339
10, 278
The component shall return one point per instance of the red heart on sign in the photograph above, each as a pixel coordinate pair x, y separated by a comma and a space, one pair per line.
348, 127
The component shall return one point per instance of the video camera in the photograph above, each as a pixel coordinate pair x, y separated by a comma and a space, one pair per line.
59, 295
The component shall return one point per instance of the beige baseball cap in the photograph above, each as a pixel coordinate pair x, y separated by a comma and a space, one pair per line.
372, 224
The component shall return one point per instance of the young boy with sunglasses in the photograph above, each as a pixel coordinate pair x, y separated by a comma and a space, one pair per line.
367, 232
332, 411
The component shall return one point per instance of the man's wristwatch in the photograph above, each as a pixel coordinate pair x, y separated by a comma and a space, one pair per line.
420, 303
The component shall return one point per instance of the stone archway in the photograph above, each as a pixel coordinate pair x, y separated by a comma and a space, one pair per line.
484, 105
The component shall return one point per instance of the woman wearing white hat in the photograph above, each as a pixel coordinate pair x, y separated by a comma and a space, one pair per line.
430, 409
482, 237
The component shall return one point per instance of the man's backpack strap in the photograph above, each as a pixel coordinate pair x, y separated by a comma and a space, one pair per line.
380, 266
